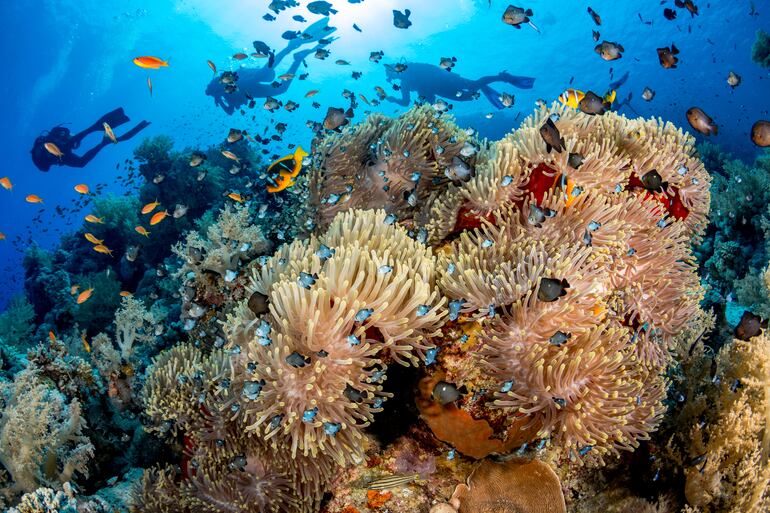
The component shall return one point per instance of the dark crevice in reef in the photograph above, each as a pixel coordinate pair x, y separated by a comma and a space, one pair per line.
399, 412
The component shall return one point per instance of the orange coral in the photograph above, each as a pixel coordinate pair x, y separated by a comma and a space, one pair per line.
376, 499
516, 485
455, 426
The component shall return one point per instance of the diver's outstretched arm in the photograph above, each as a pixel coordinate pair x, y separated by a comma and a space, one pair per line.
406, 97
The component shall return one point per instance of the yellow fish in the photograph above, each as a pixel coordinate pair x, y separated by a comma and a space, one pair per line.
93, 219
235, 197
84, 296
571, 98
92, 239
287, 168
109, 133
101, 248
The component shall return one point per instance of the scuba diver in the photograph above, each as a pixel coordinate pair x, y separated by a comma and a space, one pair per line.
430, 81
65, 142
232, 90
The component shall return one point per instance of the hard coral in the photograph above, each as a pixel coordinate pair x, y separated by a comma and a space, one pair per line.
516, 485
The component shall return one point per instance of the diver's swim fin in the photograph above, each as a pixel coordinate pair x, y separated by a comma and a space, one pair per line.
114, 118
493, 96
516, 80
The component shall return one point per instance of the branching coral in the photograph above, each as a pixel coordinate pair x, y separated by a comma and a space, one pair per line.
231, 240
395, 164
731, 471
41, 434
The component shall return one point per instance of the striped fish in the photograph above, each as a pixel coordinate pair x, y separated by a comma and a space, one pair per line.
394, 481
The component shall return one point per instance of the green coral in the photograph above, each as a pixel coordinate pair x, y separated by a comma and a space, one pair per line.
17, 323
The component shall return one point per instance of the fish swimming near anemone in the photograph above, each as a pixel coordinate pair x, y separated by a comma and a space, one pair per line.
701, 121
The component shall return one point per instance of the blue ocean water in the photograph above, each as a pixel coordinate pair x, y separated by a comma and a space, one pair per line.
70, 62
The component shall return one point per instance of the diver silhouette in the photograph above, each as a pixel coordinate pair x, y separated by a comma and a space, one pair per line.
62, 138
233, 90
430, 81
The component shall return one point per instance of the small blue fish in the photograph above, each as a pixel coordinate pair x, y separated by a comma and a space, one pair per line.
309, 415
296, 360
364, 314
307, 280
585, 450
491, 311
378, 403
353, 340
276, 421
559, 401
507, 387
331, 428
415, 176
390, 219
263, 330
384, 269
487, 243
594, 225
506, 181
325, 252
430, 355
454, 309
631, 252
451, 454
252, 389
451, 268
559, 338
423, 310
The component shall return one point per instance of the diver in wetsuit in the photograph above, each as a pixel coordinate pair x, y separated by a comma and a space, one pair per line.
67, 143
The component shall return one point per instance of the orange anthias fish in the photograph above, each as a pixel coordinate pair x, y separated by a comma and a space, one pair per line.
158, 217
125, 293
150, 207
84, 296
86, 345
104, 250
149, 62
2, 236
34, 198
230, 155
52, 336
6, 183
92, 239
311, 93
142, 231
74, 289
287, 168
53, 149
90, 218
82, 188
109, 133
235, 197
